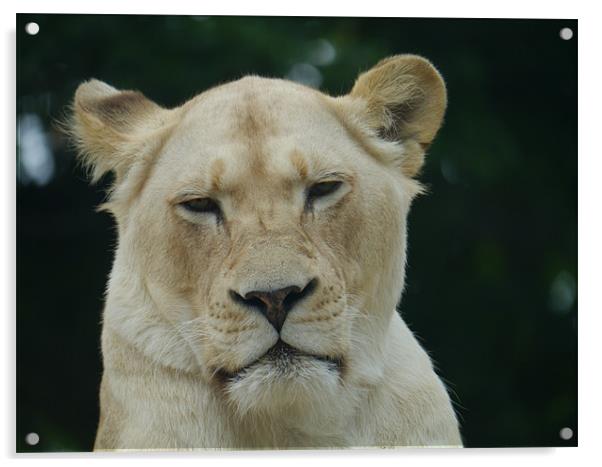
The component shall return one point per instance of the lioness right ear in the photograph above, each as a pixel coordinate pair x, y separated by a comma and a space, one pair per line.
112, 129
405, 100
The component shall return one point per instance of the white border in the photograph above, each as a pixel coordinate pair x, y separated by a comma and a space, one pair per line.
430, 8
590, 231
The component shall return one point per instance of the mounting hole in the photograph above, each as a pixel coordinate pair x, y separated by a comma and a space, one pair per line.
32, 439
566, 433
32, 28
566, 34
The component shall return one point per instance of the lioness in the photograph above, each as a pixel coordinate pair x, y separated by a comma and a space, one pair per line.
261, 256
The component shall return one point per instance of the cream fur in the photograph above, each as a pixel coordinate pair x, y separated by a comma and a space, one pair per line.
184, 363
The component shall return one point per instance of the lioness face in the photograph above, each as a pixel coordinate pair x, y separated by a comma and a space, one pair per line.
265, 221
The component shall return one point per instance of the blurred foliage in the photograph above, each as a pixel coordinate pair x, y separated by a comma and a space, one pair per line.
492, 269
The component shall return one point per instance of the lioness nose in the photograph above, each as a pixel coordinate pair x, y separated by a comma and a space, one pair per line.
275, 304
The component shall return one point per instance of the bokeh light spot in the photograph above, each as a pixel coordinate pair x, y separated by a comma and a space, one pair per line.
449, 172
321, 53
563, 291
305, 73
36, 162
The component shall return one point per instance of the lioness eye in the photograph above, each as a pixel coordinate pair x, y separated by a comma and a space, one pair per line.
202, 205
322, 189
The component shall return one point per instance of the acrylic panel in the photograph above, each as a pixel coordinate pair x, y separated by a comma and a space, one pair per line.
267, 267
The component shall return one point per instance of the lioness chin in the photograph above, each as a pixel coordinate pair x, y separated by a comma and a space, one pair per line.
261, 256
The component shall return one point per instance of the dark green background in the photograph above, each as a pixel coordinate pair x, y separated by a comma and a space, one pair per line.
492, 269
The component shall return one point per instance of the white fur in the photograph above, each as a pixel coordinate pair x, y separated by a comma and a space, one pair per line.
185, 364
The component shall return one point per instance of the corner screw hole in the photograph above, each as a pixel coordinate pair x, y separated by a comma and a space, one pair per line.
32, 439
566, 433
32, 28
566, 34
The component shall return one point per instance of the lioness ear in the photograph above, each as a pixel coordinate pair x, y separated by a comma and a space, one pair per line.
405, 101
112, 129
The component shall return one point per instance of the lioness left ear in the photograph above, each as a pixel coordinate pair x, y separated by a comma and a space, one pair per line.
405, 101
114, 129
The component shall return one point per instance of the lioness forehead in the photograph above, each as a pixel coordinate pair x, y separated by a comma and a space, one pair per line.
255, 106
251, 127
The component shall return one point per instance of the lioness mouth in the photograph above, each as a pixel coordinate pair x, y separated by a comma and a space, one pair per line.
283, 356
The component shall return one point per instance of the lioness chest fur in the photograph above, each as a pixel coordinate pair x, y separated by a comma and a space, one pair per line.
261, 256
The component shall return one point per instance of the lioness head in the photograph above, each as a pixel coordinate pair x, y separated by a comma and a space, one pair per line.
262, 225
